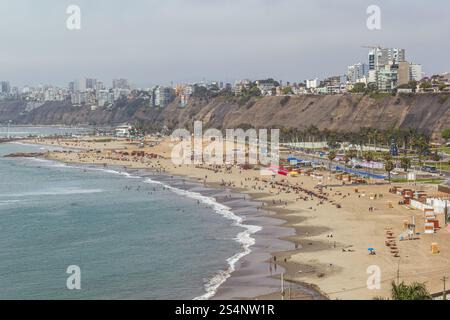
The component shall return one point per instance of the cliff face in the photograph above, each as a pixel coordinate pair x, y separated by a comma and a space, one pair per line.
427, 112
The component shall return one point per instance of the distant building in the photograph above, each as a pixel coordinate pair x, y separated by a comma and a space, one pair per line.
379, 57
416, 72
123, 130
404, 90
333, 85
240, 86
266, 87
5, 88
238, 89
388, 68
387, 78
79, 85
78, 98
184, 100
120, 93
104, 98
279, 91
357, 72
120, 84
163, 96
99, 86
333, 81
312, 84
408, 72
185, 92
403, 74
91, 84
372, 78
60, 94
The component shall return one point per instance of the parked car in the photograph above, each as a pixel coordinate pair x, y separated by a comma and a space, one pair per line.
429, 169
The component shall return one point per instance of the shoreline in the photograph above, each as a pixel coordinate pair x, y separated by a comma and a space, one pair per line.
247, 275
249, 264
333, 221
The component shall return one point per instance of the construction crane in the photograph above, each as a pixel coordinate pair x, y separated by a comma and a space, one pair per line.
373, 47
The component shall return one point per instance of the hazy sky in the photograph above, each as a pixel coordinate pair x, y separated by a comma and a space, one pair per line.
158, 41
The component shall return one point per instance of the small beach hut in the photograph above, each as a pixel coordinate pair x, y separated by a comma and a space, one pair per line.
293, 174
429, 228
434, 248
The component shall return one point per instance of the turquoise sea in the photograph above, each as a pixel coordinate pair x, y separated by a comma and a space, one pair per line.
134, 235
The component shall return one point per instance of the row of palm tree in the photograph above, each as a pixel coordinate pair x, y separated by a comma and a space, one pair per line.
407, 139
389, 161
413, 291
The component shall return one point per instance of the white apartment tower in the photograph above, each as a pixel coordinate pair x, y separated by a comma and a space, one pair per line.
416, 72
312, 84
357, 72
379, 57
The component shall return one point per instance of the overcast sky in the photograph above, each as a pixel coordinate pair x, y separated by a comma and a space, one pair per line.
159, 41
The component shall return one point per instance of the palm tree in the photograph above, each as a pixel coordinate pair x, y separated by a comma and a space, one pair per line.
349, 155
368, 156
331, 157
405, 163
346, 159
389, 166
414, 291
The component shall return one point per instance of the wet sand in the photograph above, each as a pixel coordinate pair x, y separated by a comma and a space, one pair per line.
256, 277
332, 243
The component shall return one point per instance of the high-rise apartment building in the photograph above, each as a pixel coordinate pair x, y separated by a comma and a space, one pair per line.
408, 72
387, 78
163, 96
120, 84
357, 72
379, 57
384, 66
78, 85
403, 73
5, 87
312, 84
416, 72
91, 84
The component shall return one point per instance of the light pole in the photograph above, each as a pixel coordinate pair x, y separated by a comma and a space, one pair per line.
7, 132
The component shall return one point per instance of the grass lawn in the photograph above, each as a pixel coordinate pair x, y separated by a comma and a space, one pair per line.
444, 166
424, 180
442, 149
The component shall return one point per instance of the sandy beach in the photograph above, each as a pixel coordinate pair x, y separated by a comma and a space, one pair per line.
333, 228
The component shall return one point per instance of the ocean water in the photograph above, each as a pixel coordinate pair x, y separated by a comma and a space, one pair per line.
132, 236
25, 131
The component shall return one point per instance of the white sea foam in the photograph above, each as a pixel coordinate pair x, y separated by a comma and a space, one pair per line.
123, 173
8, 202
56, 164
54, 192
244, 238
